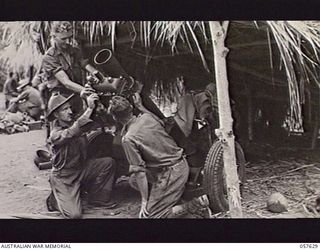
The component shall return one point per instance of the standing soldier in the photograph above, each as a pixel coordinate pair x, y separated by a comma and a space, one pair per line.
61, 64
62, 67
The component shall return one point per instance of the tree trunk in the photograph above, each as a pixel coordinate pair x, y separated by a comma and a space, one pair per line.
225, 133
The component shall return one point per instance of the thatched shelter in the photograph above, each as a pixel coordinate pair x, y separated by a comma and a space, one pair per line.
272, 65
279, 58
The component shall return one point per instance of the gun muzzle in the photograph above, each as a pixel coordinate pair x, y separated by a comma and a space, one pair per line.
102, 56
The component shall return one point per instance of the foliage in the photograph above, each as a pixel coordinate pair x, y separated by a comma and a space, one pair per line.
297, 41
292, 38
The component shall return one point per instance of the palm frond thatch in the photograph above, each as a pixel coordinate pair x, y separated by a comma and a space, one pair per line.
297, 41
174, 31
291, 38
96, 29
20, 48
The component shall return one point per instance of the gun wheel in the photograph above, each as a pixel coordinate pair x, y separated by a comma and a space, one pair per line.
214, 181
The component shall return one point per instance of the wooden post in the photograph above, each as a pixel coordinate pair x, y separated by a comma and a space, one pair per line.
315, 133
225, 133
250, 118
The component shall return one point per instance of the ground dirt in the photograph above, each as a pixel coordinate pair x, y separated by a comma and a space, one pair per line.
24, 187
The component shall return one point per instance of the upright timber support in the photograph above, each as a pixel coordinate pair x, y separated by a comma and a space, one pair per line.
250, 112
225, 133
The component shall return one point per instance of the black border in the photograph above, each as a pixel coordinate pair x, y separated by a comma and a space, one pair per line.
132, 230
175, 230
17, 10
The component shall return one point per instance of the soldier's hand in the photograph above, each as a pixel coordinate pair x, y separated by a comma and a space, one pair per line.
92, 80
137, 100
14, 100
87, 91
143, 210
43, 107
92, 100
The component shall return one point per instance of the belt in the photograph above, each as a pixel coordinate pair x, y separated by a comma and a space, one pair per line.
178, 163
162, 169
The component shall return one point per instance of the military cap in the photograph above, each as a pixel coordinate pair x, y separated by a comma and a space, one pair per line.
62, 29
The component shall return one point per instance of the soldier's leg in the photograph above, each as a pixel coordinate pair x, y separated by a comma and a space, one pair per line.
66, 190
167, 190
98, 178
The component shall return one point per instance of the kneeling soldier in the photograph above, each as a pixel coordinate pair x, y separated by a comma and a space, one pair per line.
72, 171
157, 165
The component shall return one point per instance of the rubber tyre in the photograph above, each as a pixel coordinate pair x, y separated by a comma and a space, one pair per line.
213, 176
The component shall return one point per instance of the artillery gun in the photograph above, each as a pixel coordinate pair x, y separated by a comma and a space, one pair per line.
205, 158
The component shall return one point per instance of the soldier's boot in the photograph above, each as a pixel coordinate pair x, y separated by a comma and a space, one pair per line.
52, 204
194, 206
200, 206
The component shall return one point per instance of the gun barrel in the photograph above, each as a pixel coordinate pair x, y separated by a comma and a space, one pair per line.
102, 56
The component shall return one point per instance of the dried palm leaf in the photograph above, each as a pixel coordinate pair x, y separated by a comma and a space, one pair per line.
297, 41
292, 37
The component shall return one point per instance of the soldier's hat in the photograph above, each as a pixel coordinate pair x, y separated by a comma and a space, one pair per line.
55, 102
62, 29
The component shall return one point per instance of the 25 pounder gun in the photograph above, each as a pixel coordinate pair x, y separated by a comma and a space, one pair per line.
123, 85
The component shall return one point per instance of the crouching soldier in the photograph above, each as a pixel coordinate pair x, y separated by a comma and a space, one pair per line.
72, 173
157, 165
29, 101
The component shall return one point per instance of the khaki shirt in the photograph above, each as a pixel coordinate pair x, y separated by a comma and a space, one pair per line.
55, 60
69, 144
148, 146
